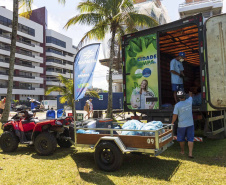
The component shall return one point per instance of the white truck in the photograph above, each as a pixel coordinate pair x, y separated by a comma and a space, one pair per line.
146, 56
48, 104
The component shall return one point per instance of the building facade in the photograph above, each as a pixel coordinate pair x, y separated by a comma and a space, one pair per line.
41, 55
207, 7
153, 8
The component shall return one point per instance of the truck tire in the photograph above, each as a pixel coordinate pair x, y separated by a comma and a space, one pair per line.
108, 156
8, 141
62, 142
45, 143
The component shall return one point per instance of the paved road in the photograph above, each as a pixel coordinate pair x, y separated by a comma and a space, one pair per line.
42, 115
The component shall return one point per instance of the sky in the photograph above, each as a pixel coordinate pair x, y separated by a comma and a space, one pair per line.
59, 14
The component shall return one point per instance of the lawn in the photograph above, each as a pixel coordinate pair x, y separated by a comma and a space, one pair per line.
71, 166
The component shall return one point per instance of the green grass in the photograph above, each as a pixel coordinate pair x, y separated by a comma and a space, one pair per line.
70, 166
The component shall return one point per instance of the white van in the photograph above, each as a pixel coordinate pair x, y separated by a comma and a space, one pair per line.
48, 104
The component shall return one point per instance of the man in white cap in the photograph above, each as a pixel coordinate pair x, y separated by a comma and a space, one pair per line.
177, 74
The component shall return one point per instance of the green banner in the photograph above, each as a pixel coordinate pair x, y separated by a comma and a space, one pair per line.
142, 73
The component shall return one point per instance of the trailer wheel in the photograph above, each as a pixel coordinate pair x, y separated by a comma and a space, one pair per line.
45, 143
107, 156
8, 141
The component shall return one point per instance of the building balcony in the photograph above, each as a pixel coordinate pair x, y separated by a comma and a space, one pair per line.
5, 50
191, 7
23, 67
59, 65
33, 91
7, 39
54, 73
116, 77
53, 83
22, 78
54, 93
63, 57
70, 50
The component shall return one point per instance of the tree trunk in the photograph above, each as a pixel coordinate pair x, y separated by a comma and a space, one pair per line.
11, 64
112, 54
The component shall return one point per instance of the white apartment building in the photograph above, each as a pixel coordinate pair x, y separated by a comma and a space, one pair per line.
28, 81
153, 8
41, 55
60, 55
207, 7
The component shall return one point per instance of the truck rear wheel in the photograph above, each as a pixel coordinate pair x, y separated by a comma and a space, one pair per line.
45, 143
108, 156
8, 142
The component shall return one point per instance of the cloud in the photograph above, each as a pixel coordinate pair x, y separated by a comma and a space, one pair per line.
53, 23
7, 3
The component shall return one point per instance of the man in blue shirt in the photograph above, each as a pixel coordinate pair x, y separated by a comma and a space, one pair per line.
183, 110
177, 74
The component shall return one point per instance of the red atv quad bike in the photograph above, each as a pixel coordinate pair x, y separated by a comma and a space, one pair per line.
44, 135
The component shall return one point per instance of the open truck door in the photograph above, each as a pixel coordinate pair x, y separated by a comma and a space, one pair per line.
141, 75
216, 60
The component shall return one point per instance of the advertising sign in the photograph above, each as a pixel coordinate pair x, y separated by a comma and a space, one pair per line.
84, 64
142, 73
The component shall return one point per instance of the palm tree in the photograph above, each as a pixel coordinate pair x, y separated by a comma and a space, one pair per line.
26, 4
67, 92
114, 16
11, 62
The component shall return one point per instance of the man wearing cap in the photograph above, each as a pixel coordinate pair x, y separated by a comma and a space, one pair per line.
185, 130
176, 69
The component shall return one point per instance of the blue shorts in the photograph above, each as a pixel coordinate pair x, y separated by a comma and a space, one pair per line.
183, 132
177, 87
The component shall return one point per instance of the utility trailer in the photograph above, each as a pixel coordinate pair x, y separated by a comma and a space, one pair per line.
146, 55
109, 148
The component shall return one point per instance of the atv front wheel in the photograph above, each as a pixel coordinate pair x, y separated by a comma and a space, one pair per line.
63, 142
45, 143
8, 141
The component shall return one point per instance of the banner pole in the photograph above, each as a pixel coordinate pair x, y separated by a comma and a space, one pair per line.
74, 123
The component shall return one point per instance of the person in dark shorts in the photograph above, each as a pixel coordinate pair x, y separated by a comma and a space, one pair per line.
183, 110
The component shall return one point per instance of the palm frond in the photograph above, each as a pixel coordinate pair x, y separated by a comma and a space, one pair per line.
140, 20
84, 19
63, 99
97, 32
126, 6
90, 7
25, 5
62, 2
92, 94
56, 88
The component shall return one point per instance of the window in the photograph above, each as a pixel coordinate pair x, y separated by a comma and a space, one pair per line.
54, 51
153, 14
54, 60
55, 41
26, 29
7, 22
101, 97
